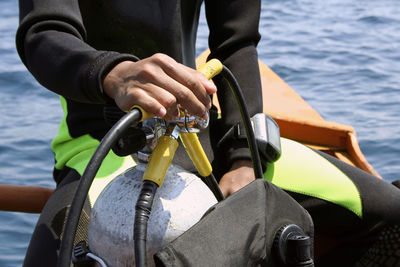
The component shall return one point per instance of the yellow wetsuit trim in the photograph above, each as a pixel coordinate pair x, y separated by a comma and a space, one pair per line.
75, 153
303, 171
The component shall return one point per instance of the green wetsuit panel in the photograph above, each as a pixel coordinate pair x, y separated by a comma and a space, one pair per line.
301, 170
76, 153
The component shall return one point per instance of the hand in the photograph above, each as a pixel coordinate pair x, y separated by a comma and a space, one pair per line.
240, 175
160, 85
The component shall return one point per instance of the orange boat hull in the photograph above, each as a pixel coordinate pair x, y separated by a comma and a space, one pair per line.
298, 121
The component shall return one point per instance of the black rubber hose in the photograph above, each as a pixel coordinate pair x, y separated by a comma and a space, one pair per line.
244, 113
212, 183
86, 180
142, 215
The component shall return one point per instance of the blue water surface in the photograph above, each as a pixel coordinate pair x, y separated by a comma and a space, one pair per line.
342, 56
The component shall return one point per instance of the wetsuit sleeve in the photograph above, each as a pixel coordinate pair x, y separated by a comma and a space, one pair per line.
51, 43
233, 38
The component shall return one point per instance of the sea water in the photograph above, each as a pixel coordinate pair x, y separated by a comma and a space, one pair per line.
342, 57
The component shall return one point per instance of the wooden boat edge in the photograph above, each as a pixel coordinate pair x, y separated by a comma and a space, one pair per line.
299, 121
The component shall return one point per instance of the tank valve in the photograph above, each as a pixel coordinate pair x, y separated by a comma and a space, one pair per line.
293, 247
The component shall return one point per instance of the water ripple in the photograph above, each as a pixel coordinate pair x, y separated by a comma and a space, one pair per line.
374, 20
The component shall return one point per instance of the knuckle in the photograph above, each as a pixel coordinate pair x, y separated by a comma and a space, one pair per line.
183, 95
164, 60
135, 94
160, 58
192, 84
195, 86
170, 102
147, 72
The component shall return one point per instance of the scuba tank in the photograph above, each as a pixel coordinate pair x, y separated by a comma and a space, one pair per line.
179, 204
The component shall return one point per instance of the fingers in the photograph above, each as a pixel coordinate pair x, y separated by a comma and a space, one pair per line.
159, 84
208, 85
190, 87
192, 80
150, 104
151, 98
193, 101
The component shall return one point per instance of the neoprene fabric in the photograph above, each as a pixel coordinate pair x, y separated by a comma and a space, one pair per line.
69, 46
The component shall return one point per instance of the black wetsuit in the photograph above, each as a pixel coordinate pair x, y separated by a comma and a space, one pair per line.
69, 46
